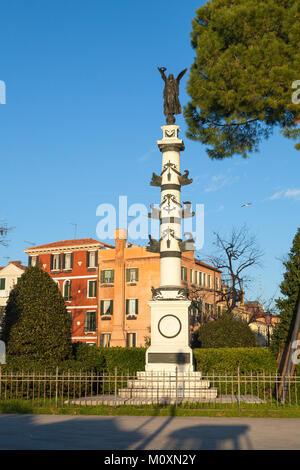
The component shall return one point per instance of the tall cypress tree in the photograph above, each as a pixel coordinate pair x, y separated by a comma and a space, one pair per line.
36, 324
287, 305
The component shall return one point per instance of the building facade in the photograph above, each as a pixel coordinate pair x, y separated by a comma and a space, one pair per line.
73, 265
107, 289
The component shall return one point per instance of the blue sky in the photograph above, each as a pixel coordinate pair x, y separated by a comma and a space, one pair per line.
83, 113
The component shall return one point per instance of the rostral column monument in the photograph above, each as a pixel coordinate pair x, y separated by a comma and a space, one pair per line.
170, 349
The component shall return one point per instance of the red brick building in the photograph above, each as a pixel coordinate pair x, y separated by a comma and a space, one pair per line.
73, 264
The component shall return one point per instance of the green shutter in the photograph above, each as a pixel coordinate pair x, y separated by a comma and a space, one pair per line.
93, 314
111, 307
29, 260
102, 277
90, 288
136, 306
101, 307
2, 283
87, 259
127, 275
127, 306
101, 339
63, 261
134, 340
127, 339
51, 262
71, 260
112, 275
191, 275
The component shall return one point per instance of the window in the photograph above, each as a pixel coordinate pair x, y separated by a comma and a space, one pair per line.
183, 273
90, 322
217, 283
203, 279
199, 278
131, 340
219, 310
132, 306
55, 262
107, 276
92, 259
70, 319
67, 290
132, 274
209, 281
106, 307
2, 283
105, 340
33, 261
191, 275
67, 261
92, 289
208, 308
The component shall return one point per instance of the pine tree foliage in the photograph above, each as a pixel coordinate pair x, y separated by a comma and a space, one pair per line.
290, 289
36, 324
240, 84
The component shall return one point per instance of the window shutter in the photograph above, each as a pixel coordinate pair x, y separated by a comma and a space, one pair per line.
101, 307
127, 340
51, 261
29, 260
191, 275
59, 261
134, 340
136, 274
101, 339
136, 306
63, 261
111, 307
127, 275
87, 259
96, 258
70, 289
72, 260
37, 261
127, 306
93, 314
102, 277
112, 275
90, 288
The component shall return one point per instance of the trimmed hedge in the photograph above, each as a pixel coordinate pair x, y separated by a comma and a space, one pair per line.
92, 358
229, 359
207, 360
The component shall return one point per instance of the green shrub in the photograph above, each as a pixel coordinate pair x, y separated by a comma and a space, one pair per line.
36, 323
229, 359
226, 332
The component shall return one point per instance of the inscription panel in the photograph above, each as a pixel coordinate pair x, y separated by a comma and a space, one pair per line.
169, 358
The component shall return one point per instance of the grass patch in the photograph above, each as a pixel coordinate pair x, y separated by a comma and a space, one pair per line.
265, 410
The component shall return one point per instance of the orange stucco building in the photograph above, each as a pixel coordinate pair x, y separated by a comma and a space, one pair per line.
126, 275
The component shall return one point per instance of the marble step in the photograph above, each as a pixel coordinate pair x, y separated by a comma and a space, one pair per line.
167, 393
167, 374
166, 383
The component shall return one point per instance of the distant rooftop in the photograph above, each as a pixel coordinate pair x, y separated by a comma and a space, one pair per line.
69, 243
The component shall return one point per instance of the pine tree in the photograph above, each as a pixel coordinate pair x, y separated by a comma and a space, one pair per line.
36, 324
287, 305
241, 82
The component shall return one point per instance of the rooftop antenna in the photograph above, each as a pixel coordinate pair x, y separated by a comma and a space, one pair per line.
75, 229
30, 243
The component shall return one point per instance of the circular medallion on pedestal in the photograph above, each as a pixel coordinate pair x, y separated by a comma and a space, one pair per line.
169, 326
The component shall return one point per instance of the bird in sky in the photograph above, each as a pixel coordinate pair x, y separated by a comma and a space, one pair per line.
246, 204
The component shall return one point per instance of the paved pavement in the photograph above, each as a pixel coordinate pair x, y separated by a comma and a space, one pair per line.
145, 432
